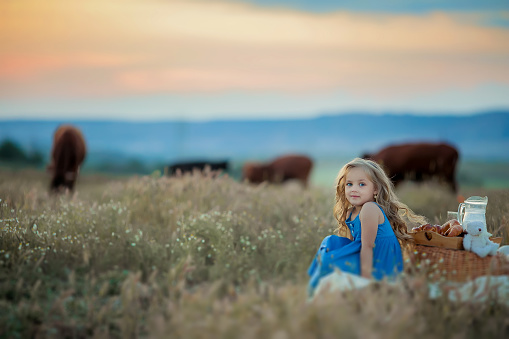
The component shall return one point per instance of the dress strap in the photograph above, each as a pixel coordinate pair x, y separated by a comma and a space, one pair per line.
350, 216
383, 212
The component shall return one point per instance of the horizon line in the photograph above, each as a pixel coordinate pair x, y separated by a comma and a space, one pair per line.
445, 114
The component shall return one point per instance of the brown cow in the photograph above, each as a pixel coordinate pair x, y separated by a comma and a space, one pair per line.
279, 170
418, 162
67, 155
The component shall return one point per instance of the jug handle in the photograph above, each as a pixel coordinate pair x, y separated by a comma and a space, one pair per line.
461, 208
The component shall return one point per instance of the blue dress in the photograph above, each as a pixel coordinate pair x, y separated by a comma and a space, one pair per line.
343, 253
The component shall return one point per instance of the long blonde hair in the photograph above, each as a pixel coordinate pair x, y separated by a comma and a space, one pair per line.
395, 210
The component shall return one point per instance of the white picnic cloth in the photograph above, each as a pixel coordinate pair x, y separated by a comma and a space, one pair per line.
477, 290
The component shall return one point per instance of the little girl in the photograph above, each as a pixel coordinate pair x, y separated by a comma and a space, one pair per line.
371, 226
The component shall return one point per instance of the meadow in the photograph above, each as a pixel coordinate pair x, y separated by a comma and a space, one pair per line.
203, 257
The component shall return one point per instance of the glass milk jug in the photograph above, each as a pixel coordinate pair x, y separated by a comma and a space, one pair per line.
473, 209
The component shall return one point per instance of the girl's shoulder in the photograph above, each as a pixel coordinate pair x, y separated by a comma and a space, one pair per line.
373, 209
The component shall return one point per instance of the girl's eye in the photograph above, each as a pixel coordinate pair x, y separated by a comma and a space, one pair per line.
362, 184
348, 184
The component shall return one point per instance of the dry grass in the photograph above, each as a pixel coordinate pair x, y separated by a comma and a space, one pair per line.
197, 257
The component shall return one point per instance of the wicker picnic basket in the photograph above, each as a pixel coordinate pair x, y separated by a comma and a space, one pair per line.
447, 259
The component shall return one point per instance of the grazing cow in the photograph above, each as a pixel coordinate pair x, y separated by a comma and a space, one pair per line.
279, 170
418, 162
67, 155
189, 167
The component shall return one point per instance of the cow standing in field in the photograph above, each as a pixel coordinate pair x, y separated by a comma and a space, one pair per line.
67, 155
419, 162
279, 170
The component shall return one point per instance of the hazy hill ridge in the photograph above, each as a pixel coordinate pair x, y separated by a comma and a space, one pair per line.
484, 136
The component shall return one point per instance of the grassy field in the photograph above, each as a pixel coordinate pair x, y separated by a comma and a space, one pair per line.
203, 257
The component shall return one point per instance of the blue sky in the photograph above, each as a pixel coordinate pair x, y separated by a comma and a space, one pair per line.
391, 6
223, 59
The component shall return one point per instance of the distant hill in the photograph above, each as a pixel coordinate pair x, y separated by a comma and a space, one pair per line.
483, 136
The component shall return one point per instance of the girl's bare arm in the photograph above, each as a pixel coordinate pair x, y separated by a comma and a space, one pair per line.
369, 216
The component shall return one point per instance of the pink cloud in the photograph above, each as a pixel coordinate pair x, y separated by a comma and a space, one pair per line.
26, 67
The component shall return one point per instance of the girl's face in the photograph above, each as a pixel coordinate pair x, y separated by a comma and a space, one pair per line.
359, 189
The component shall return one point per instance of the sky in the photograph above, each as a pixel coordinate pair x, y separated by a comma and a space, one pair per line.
225, 59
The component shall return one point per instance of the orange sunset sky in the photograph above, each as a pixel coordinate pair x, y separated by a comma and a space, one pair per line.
192, 59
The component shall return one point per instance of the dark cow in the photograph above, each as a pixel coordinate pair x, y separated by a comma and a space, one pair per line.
279, 170
418, 162
189, 167
67, 155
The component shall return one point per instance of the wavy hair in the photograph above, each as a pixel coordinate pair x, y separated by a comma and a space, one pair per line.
395, 210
